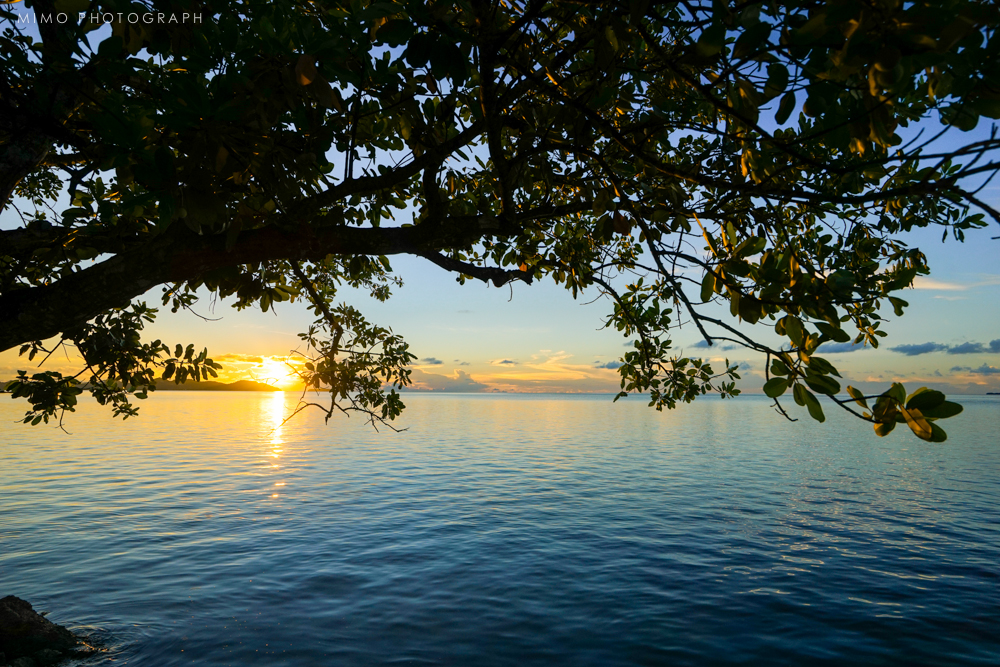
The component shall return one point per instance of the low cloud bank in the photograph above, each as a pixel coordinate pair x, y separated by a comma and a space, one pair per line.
971, 347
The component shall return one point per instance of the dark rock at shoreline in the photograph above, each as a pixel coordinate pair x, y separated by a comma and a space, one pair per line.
26, 634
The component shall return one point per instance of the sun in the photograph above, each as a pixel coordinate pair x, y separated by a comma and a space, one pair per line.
276, 373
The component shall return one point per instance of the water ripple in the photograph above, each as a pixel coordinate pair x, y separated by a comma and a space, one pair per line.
505, 531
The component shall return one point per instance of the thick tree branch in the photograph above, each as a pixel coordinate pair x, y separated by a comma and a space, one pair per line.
42, 312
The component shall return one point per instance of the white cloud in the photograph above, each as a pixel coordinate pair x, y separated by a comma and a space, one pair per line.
985, 280
929, 283
458, 381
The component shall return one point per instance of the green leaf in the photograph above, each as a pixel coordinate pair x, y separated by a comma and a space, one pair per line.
943, 411
813, 29
823, 384
885, 428
821, 366
707, 286
898, 305
920, 427
799, 394
937, 433
750, 247
988, 107
711, 41
924, 399
961, 115
836, 334
785, 108
793, 327
752, 40
777, 80
897, 392
609, 34
858, 397
775, 387
815, 409
602, 202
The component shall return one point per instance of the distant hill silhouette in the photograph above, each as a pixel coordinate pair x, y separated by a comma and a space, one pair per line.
208, 385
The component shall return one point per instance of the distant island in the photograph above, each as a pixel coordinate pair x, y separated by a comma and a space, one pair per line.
205, 385
209, 385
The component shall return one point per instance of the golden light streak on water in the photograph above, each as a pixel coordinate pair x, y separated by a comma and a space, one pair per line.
276, 415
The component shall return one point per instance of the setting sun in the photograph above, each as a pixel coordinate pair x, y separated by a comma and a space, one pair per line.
275, 372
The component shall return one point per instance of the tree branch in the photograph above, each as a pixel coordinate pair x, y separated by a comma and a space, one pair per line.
499, 277
39, 313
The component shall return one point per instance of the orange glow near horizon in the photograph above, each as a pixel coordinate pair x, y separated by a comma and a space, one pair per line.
275, 372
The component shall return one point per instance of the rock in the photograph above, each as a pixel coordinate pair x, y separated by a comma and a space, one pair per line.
24, 632
47, 656
81, 652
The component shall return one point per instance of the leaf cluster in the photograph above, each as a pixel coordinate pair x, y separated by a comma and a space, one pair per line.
746, 169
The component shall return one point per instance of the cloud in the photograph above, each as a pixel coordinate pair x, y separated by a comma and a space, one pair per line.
461, 363
458, 382
744, 366
703, 345
550, 371
430, 361
246, 358
613, 365
938, 374
970, 347
503, 362
922, 348
985, 280
986, 370
959, 369
967, 348
929, 283
838, 348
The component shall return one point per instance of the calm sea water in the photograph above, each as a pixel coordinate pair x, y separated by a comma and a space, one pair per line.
505, 530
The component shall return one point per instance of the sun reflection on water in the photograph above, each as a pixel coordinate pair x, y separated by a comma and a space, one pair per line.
276, 415
273, 416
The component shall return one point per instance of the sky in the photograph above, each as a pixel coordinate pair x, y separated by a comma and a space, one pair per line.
539, 339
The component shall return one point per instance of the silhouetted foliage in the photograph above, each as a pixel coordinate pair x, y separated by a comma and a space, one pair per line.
673, 155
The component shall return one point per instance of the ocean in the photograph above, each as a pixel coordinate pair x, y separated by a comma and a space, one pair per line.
504, 530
